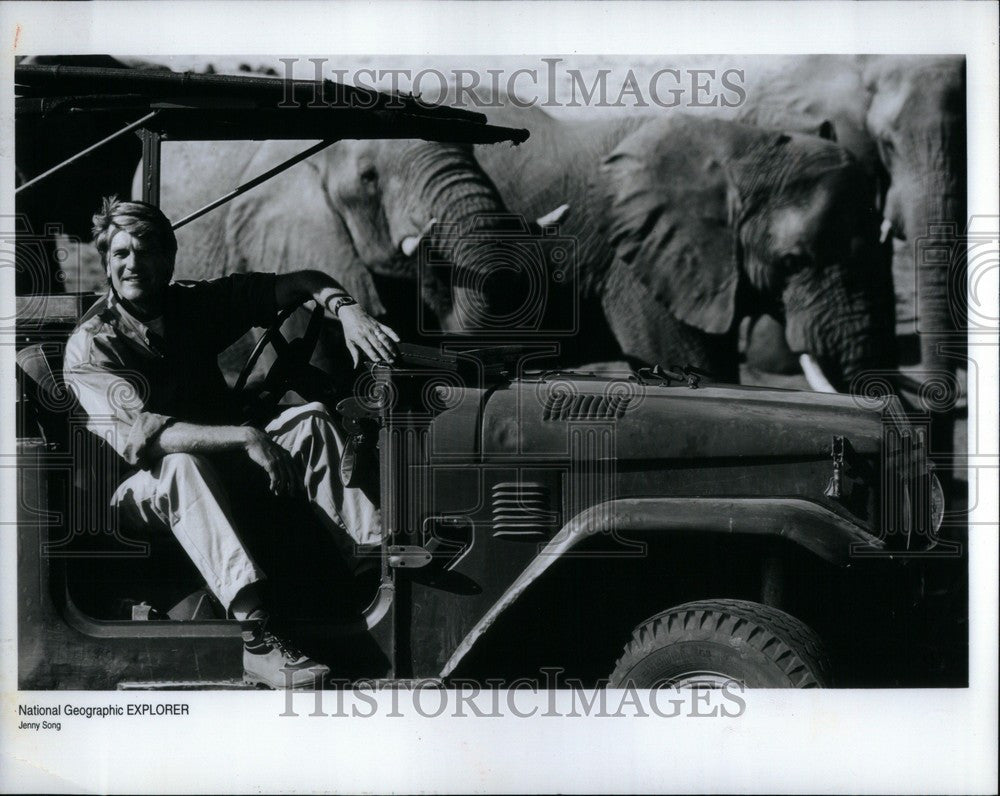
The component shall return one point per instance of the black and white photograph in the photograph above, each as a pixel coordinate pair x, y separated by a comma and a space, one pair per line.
563, 387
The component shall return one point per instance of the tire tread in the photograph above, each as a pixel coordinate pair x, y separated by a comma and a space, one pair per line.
794, 647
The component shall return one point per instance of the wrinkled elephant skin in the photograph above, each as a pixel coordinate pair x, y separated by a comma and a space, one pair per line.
684, 225
903, 117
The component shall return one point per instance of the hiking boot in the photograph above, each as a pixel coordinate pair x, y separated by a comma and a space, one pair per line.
271, 661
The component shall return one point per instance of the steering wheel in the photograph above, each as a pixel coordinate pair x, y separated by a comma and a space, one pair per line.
291, 367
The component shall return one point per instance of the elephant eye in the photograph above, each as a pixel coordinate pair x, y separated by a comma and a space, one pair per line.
369, 176
792, 262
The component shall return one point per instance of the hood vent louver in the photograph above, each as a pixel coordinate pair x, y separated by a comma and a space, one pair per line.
521, 509
585, 407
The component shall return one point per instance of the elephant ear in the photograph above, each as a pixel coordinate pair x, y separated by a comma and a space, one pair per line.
287, 224
673, 210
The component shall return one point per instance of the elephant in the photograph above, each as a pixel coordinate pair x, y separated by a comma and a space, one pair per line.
355, 210
686, 224
903, 117
551, 177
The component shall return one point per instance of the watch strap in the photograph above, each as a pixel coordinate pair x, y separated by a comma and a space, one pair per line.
340, 303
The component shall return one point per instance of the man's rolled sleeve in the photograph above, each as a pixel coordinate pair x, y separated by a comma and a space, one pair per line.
144, 430
115, 405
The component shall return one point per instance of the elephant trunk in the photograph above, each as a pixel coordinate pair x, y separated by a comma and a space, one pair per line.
451, 197
934, 224
466, 267
453, 186
923, 144
846, 331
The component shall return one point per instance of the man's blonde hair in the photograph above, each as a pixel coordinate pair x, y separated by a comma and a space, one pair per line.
140, 219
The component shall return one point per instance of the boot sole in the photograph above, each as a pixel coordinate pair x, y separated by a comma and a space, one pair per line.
262, 683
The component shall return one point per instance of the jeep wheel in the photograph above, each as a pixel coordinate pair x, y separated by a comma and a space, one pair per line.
710, 642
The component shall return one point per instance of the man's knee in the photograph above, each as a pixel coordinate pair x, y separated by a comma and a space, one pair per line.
317, 414
308, 430
314, 420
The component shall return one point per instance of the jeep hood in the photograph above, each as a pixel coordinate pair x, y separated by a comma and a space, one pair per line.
678, 422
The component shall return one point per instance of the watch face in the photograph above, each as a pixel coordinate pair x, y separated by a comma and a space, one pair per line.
341, 303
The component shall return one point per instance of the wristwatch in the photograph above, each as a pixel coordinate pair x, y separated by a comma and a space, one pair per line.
342, 301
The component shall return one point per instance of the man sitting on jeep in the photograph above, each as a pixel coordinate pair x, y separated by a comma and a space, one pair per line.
143, 365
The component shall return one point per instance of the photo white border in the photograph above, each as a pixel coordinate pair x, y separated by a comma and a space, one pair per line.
847, 741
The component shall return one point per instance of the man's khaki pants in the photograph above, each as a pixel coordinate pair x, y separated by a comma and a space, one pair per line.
184, 492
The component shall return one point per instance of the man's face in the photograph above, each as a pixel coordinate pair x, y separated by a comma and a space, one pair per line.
139, 270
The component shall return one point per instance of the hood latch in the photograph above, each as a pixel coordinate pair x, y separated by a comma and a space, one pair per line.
834, 489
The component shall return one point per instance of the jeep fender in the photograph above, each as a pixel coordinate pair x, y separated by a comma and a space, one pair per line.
816, 528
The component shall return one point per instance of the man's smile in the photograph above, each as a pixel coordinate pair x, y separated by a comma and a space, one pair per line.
138, 271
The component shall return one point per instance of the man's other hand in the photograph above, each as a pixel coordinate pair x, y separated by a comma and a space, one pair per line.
363, 334
275, 461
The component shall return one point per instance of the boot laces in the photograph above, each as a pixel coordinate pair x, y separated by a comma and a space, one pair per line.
287, 649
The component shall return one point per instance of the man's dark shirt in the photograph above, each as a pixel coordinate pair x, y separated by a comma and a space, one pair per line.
133, 382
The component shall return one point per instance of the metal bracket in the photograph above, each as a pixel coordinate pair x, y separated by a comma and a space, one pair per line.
687, 374
654, 375
406, 556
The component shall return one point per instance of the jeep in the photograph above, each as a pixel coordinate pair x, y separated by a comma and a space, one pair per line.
641, 528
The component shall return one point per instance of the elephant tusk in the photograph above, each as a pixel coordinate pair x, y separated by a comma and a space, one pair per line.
553, 217
814, 374
411, 243
885, 231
